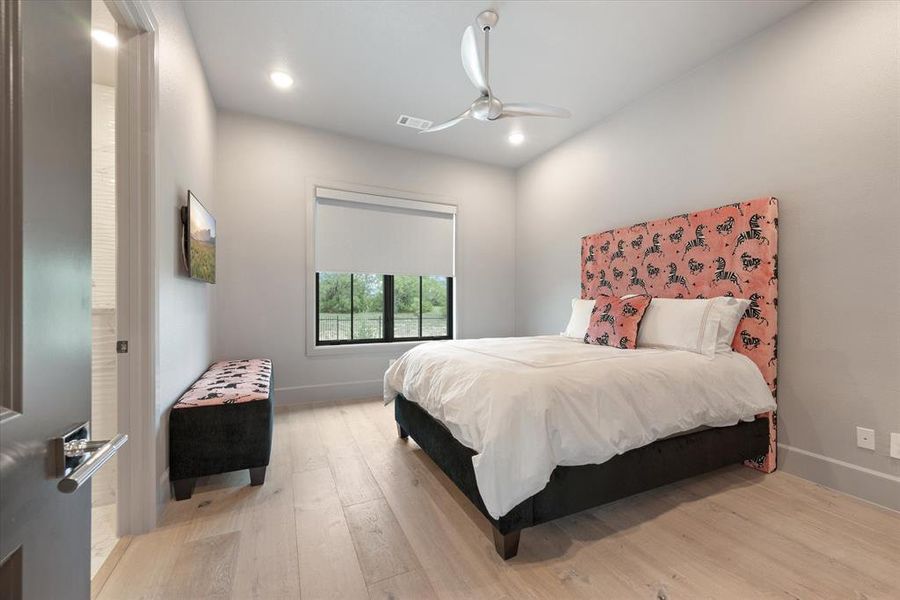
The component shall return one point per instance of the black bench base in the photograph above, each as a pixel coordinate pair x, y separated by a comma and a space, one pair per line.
208, 440
184, 488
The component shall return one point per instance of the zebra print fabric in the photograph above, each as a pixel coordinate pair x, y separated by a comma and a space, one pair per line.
731, 250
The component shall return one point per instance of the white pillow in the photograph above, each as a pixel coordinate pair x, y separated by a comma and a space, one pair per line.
730, 310
680, 324
580, 319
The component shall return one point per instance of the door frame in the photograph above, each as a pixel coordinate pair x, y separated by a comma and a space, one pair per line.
11, 214
136, 306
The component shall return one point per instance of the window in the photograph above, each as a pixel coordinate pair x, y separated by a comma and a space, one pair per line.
383, 268
359, 308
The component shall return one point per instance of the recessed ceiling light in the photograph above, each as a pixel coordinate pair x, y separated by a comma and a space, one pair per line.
281, 80
516, 138
107, 39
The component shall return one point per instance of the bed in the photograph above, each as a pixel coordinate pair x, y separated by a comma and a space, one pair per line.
533, 429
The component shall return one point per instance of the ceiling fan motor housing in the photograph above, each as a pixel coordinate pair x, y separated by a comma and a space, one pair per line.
486, 108
487, 20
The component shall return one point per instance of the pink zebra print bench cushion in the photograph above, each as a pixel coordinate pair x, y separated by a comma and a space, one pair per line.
230, 382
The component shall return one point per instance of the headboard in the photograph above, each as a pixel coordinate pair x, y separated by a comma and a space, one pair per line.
729, 250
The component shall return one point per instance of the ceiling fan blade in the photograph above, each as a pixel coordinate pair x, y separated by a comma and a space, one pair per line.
471, 62
533, 109
448, 124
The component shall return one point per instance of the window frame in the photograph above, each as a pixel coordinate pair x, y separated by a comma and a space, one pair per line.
388, 336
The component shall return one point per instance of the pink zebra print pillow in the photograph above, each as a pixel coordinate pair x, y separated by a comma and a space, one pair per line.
614, 321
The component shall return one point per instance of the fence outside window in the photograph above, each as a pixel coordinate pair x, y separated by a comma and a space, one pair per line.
337, 327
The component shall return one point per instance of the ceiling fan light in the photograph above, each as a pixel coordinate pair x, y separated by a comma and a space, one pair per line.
281, 80
516, 138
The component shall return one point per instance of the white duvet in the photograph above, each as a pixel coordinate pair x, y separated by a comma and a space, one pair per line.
526, 405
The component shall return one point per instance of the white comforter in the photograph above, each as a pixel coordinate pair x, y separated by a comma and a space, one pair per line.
526, 405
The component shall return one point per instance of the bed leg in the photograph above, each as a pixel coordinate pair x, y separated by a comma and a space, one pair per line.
184, 488
257, 475
401, 433
507, 545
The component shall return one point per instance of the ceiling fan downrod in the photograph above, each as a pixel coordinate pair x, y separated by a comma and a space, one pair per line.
487, 20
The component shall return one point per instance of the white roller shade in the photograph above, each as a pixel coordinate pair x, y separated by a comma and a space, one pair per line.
363, 233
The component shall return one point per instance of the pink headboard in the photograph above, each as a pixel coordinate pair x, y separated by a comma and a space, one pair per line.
730, 250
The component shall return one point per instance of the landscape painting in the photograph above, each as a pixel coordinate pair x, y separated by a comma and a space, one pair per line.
201, 242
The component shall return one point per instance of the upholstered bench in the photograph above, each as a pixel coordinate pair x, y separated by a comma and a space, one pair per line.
222, 423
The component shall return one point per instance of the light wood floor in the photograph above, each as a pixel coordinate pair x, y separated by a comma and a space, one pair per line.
349, 511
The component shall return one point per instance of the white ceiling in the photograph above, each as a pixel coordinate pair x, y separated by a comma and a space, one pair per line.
359, 65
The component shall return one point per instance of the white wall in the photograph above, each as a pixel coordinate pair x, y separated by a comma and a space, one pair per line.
186, 140
807, 111
104, 409
263, 169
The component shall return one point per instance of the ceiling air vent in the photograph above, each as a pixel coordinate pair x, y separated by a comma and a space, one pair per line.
414, 122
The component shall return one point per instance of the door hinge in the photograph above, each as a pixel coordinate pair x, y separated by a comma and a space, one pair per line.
122, 346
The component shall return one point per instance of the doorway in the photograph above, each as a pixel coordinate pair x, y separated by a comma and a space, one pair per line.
104, 401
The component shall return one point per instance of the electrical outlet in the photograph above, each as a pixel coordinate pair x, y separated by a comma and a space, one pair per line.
865, 438
895, 445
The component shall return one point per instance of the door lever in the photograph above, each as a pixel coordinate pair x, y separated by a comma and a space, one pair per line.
100, 452
78, 457
82, 446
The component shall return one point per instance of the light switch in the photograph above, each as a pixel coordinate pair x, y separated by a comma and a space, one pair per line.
895, 445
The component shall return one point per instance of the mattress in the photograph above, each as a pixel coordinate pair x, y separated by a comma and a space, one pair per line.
527, 405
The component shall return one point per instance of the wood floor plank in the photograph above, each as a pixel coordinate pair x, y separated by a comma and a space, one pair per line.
820, 506
329, 567
350, 511
795, 568
381, 545
333, 432
268, 562
146, 566
302, 433
454, 553
412, 585
660, 550
353, 480
204, 569
861, 548
554, 565
98, 581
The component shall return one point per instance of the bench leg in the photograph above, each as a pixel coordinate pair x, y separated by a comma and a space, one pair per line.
506, 545
257, 475
184, 488
401, 433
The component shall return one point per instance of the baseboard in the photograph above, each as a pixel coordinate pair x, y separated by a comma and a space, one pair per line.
874, 486
328, 392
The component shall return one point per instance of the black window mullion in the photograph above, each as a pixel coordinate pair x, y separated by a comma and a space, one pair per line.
351, 306
450, 307
420, 306
318, 314
388, 319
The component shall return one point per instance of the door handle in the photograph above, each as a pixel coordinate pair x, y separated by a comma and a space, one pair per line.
78, 457
100, 452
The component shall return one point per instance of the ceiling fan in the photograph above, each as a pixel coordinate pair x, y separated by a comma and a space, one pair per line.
487, 107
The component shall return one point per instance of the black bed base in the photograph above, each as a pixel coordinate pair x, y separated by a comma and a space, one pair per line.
573, 489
